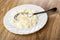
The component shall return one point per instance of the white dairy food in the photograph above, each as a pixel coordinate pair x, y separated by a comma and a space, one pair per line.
23, 20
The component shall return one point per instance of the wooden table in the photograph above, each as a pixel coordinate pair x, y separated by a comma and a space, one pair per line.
51, 31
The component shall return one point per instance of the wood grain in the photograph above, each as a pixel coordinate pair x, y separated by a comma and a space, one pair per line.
51, 30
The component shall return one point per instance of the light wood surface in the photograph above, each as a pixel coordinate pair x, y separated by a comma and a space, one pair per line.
51, 30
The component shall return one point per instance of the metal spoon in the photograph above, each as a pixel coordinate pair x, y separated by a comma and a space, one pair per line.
52, 9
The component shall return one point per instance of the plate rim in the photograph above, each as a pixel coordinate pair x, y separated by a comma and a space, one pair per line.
26, 33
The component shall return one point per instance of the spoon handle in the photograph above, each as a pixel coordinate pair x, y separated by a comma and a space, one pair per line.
53, 9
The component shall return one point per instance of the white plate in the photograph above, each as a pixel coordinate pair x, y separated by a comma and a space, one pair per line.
42, 19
